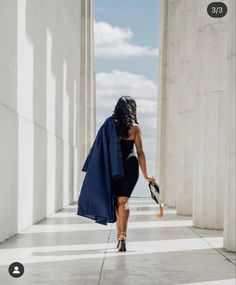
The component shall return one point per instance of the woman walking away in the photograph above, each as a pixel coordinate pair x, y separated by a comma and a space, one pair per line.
112, 170
129, 132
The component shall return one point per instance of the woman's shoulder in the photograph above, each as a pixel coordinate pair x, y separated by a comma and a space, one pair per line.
136, 128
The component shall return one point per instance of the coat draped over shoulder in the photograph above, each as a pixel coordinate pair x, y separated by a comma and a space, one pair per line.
103, 164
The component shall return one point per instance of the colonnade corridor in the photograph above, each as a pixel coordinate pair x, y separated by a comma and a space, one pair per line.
68, 249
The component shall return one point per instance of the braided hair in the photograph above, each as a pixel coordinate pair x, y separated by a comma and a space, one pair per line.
125, 114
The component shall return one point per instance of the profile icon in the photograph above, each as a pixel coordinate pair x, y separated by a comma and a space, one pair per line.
16, 269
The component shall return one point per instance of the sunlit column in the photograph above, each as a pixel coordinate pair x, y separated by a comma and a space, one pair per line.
83, 86
91, 106
185, 92
175, 105
51, 126
165, 121
230, 197
93, 130
65, 142
25, 92
209, 122
86, 100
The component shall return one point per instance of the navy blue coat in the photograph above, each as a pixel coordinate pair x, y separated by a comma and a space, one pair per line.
103, 164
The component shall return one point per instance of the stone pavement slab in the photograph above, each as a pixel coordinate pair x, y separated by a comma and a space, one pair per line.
67, 249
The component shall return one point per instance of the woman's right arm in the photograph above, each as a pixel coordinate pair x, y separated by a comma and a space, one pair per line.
141, 154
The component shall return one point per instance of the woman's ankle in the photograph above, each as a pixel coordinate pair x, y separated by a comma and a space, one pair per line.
123, 236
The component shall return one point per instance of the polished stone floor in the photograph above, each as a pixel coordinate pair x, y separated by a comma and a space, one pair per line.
67, 249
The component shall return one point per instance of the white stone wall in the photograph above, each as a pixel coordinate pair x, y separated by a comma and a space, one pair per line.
230, 197
40, 104
8, 120
193, 164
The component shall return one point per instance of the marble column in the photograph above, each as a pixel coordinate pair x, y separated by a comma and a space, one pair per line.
185, 13
165, 123
94, 118
83, 90
230, 197
86, 129
191, 111
91, 106
88, 75
209, 122
175, 104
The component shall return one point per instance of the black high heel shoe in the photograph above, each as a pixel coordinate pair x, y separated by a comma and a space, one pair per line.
122, 246
122, 243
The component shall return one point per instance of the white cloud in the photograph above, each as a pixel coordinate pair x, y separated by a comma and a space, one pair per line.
116, 42
111, 86
119, 83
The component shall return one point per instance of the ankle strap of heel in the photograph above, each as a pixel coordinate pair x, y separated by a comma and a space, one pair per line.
123, 234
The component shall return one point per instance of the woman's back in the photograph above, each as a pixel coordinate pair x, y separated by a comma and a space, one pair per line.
127, 147
125, 186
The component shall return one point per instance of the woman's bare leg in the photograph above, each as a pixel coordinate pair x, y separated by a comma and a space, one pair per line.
122, 214
117, 218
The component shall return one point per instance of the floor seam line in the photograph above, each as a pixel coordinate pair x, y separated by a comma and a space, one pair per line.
103, 261
191, 228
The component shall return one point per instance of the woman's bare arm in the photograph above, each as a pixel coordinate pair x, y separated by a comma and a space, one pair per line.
140, 153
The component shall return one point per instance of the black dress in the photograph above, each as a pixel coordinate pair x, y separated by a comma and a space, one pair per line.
125, 185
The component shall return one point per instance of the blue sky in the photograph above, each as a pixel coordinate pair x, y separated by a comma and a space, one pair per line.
143, 19
126, 41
